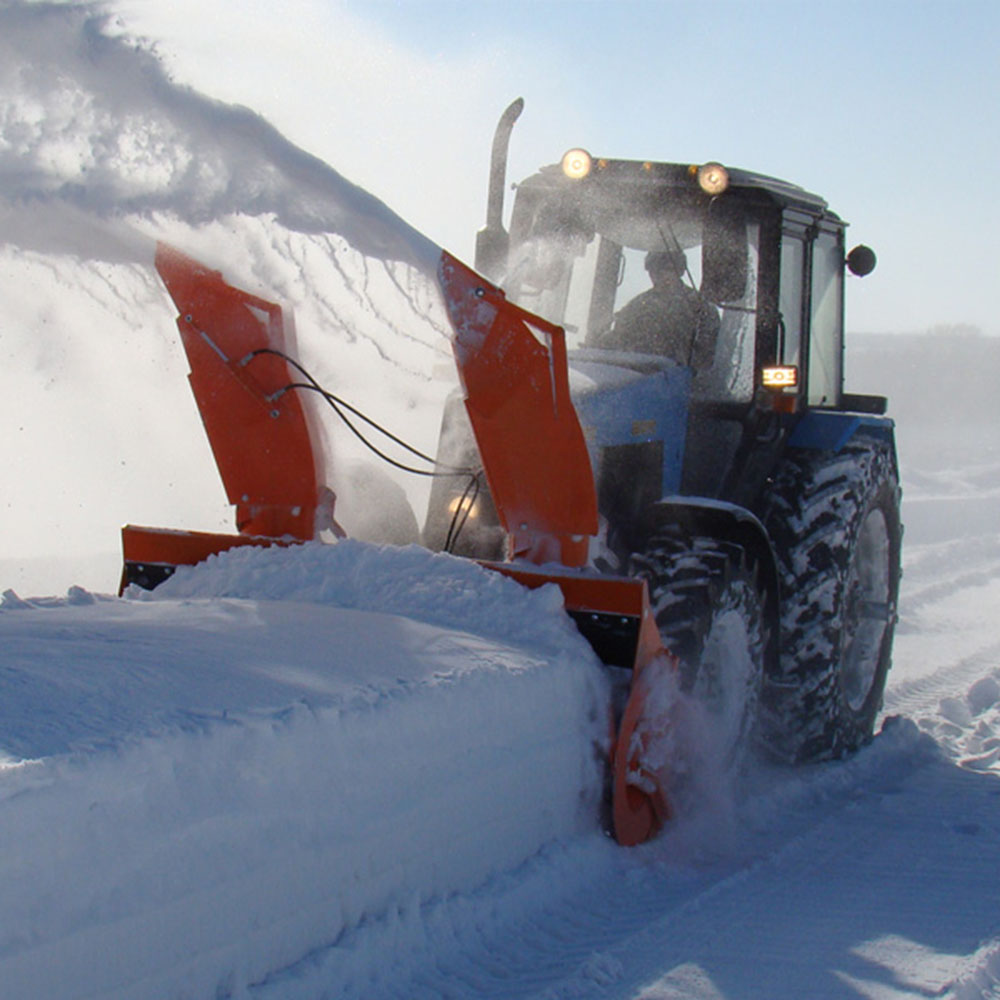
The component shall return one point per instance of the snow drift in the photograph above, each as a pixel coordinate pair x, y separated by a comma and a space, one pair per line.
199, 791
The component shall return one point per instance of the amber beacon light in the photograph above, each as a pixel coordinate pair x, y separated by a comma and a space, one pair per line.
780, 377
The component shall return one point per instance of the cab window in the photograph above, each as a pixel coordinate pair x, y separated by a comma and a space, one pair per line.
581, 270
790, 299
826, 319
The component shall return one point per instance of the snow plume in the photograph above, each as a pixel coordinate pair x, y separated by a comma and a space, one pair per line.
101, 155
89, 118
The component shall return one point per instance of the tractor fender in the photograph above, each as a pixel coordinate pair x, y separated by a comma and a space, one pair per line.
833, 430
730, 523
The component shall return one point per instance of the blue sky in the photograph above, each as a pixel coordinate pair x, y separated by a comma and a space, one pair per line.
887, 109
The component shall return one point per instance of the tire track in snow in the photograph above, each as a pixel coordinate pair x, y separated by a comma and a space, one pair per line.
937, 573
913, 698
652, 924
946, 639
572, 925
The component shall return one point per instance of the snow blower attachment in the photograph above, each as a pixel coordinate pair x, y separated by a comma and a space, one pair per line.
707, 453
534, 457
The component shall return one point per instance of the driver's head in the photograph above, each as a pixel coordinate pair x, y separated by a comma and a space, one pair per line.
665, 263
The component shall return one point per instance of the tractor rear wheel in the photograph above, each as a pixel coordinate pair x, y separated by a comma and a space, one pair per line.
834, 521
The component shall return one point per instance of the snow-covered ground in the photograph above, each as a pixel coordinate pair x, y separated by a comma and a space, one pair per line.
365, 772
354, 771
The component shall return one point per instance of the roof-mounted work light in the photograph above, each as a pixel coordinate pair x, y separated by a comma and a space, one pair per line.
576, 164
713, 178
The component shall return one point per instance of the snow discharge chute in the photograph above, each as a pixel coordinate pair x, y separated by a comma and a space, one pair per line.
249, 388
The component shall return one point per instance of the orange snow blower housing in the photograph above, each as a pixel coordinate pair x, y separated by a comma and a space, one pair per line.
531, 444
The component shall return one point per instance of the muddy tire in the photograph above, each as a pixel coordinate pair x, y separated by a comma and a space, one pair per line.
834, 522
710, 612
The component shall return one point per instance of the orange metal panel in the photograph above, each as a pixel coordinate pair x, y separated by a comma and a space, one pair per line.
167, 547
614, 595
517, 395
640, 799
259, 435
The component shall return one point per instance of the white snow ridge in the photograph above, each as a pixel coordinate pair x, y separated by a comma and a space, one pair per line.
366, 772
211, 788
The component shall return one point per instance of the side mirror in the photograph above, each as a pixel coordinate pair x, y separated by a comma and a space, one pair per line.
861, 260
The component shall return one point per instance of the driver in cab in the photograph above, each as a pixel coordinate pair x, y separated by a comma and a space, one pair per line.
670, 319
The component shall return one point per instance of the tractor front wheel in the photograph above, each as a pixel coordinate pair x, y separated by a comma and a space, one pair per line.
709, 609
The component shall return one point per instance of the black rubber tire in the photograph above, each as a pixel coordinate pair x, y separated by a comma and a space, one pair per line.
834, 521
709, 609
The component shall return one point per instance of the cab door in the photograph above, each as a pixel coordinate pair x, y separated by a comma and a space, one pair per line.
826, 317
811, 306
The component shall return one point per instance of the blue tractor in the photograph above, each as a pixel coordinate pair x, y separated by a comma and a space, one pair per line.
757, 498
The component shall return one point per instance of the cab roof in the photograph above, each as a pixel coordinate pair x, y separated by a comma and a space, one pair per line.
683, 175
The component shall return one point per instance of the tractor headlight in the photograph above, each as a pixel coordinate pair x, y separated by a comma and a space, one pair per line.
576, 164
713, 178
463, 505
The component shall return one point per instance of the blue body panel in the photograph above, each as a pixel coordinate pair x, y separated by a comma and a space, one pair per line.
639, 399
635, 408
830, 430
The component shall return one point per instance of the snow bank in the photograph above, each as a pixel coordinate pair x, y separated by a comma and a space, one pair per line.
429, 587
274, 772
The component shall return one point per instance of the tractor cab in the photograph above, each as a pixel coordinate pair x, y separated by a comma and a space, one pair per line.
766, 255
762, 263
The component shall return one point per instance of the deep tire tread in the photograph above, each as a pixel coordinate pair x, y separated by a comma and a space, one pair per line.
815, 509
689, 578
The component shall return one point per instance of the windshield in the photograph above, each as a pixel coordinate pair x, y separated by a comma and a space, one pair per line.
632, 272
